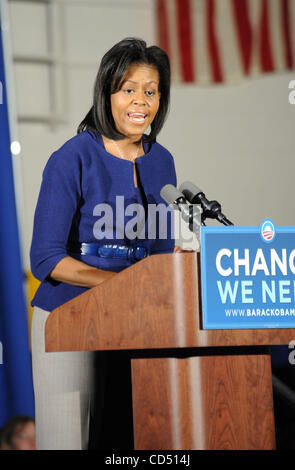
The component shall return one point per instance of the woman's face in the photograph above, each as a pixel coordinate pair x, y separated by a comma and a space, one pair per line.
136, 104
24, 437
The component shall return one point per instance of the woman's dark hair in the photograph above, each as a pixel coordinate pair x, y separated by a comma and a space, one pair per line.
109, 78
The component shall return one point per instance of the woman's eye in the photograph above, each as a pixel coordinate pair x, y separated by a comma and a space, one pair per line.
128, 90
150, 93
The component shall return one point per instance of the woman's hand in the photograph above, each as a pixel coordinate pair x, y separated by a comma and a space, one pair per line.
77, 273
178, 249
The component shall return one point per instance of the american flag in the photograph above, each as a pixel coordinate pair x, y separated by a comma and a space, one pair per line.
224, 41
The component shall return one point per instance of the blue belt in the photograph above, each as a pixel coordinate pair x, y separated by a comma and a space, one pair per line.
132, 253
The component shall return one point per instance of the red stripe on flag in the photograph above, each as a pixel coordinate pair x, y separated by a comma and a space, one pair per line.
212, 42
266, 59
244, 31
287, 33
163, 26
183, 13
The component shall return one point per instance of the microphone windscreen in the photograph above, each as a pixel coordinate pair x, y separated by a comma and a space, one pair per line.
190, 190
170, 194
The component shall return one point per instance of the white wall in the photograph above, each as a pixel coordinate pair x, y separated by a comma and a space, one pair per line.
238, 144
235, 142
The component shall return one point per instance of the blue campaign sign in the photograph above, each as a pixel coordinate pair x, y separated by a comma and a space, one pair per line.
248, 276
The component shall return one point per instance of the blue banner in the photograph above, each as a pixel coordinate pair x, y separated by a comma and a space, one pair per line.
16, 389
248, 276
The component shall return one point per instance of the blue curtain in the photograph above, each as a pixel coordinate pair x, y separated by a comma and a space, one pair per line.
16, 389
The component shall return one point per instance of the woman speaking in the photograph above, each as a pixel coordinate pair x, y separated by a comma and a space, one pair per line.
111, 156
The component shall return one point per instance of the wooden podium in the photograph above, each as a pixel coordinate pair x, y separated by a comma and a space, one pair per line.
191, 388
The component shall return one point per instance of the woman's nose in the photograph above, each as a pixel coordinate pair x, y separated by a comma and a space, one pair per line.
139, 97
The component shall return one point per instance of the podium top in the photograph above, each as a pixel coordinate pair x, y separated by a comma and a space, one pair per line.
154, 304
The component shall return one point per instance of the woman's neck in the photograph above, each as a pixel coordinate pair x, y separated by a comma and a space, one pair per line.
127, 148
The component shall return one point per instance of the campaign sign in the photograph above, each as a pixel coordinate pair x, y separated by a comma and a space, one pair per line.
248, 276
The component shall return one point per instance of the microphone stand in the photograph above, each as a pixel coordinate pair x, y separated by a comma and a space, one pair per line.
212, 210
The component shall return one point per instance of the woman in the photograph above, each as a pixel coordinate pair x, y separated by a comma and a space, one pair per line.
83, 211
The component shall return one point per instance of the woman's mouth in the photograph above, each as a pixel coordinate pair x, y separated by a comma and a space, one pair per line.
138, 118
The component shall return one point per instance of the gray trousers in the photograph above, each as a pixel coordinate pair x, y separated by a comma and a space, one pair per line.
64, 392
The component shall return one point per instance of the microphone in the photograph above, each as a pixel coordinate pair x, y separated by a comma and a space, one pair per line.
211, 209
190, 213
